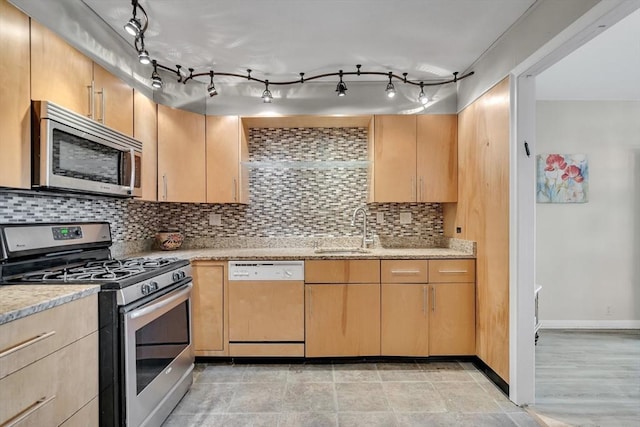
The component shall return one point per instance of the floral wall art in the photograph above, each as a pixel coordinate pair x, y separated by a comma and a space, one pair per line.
562, 178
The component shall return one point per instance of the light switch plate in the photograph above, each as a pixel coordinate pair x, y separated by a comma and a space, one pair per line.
215, 219
405, 217
380, 217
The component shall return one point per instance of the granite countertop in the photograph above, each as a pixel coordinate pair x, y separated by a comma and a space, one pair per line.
17, 301
306, 253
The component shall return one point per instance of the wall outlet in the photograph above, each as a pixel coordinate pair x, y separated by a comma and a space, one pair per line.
380, 217
215, 219
609, 311
405, 217
458, 230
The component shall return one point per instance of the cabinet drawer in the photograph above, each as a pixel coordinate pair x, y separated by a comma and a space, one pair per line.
404, 271
87, 416
52, 389
452, 271
342, 271
26, 340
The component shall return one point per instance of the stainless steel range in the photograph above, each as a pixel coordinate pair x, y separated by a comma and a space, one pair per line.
146, 353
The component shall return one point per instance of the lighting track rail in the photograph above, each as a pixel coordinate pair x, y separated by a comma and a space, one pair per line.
137, 29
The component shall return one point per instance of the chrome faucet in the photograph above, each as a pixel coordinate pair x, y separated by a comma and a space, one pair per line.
365, 239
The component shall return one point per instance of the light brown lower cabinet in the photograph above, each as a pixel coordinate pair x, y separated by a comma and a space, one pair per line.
452, 320
60, 383
342, 320
404, 319
208, 308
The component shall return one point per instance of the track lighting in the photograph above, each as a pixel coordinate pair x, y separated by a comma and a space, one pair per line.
212, 88
266, 95
143, 55
341, 88
422, 97
156, 80
137, 27
391, 89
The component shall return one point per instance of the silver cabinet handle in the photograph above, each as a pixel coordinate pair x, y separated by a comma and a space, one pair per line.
26, 413
424, 300
433, 298
103, 114
235, 190
404, 272
421, 189
92, 108
26, 343
310, 301
164, 186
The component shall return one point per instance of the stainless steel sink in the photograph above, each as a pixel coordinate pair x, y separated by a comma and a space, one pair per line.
345, 251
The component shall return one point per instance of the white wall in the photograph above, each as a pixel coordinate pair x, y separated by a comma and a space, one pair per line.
588, 255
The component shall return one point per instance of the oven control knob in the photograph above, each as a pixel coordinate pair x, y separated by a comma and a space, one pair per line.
146, 289
182, 274
153, 286
176, 276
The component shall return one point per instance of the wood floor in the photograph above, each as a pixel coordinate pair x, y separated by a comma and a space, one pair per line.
588, 378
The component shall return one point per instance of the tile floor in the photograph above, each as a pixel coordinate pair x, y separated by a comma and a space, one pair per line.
360, 394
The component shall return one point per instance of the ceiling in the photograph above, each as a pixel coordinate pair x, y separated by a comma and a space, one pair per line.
605, 68
278, 39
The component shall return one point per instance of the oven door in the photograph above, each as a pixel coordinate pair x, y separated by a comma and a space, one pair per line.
158, 356
75, 160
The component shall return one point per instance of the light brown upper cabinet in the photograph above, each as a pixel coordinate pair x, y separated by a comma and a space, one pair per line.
113, 101
64, 76
223, 160
395, 159
145, 129
59, 73
437, 158
415, 158
15, 99
181, 156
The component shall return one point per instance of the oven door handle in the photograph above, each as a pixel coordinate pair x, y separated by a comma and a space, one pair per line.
161, 302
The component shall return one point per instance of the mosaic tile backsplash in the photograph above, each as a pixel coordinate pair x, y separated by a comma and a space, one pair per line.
303, 182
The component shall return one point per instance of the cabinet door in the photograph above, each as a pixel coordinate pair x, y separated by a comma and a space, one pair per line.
59, 73
395, 159
181, 156
15, 122
404, 320
452, 319
437, 158
145, 129
342, 320
223, 159
208, 304
113, 100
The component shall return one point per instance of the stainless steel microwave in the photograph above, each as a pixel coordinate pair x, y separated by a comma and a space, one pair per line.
73, 153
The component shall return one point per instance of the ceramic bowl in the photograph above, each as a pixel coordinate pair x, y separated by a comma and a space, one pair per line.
169, 240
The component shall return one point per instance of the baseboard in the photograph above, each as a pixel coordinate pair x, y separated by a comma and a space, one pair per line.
590, 324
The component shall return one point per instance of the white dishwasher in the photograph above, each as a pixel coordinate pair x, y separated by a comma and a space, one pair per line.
266, 308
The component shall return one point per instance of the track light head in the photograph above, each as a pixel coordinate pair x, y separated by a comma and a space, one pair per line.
143, 57
266, 95
422, 97
391, 89
156, 80
133, 27
211, 88
341, 88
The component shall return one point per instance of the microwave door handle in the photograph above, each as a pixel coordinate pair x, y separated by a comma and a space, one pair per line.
132, 183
